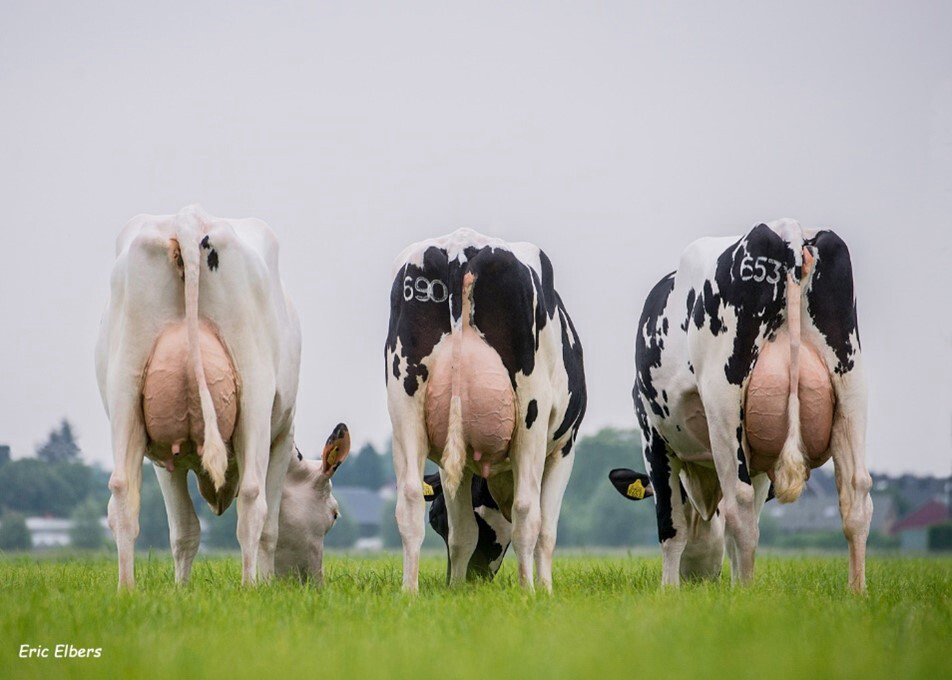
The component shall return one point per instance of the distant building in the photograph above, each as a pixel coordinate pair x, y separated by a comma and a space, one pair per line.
913, 530
53, 532
362, 506
818, 508
913, 492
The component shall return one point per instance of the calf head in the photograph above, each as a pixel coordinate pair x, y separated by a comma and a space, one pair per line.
309, 509
495, 531
632, 485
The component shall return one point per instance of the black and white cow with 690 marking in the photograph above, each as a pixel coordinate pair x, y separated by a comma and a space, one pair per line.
748, 370
484, 377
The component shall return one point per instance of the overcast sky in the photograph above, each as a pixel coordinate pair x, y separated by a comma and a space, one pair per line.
611, 135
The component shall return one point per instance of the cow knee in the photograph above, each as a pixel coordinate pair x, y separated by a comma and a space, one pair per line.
744, 494
412, 494
118, 486
269, 540
249, 494
523, 507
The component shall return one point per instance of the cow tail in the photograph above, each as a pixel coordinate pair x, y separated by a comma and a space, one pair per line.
454, 453
790, 471
213, 452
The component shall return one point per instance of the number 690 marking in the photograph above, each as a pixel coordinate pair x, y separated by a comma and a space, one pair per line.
424, 290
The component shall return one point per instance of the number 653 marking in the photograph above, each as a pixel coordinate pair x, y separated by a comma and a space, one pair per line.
752, 269
424, 290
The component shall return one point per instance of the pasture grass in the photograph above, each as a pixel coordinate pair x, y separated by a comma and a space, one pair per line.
607, 618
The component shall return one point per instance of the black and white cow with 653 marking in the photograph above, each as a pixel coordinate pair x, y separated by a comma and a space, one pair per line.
484, 377
748, 370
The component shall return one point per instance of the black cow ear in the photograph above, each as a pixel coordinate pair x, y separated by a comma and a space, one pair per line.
632, 485
431, 486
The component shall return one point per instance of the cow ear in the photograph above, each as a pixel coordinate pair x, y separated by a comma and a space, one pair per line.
431, 486
335, 450
632, 485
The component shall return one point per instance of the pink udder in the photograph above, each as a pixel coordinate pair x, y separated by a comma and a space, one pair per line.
486, 398
767, 404
170, 403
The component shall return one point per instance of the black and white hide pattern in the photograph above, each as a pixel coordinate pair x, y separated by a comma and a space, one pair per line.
463, 292
702, 331
495, 530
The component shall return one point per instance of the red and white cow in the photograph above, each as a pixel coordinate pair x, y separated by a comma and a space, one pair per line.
197, 363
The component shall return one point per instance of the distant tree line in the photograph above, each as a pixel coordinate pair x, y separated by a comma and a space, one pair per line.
58, 483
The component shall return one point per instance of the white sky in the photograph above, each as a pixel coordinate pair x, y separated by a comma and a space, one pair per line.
610, 135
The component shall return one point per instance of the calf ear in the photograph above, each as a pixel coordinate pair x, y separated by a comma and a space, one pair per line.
432, 487
632, 485
335, 450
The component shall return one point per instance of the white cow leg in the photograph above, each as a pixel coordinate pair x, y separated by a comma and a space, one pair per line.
555, 478
853, 484
281, 451
252, 504
738, 505
663, 468
672, 549
528, 462
409, 454
463, 530
125, 484
185, 532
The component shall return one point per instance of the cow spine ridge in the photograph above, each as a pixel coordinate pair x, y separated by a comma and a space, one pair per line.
454, 453
790, 471
213, 452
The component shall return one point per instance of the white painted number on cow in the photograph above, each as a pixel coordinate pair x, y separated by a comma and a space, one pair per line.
424, 290
756, 269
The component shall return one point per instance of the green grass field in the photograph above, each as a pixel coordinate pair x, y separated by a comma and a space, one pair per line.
607, 618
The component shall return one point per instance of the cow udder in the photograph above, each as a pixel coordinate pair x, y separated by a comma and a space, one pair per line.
170, 403
486, 396
766, 405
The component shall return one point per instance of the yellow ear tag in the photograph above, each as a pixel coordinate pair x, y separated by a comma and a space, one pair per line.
636, 490
332, 456
427, 489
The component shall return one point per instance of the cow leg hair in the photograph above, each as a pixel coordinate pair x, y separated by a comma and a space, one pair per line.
555, 478
185, 532
463, 530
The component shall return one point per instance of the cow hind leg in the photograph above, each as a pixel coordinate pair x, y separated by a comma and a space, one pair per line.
558, 469
253, 453
125, 485
739, 504
281, 451
410, 445
704, 553
184, 530
853, 484
463, 530
663, 468
528, 463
